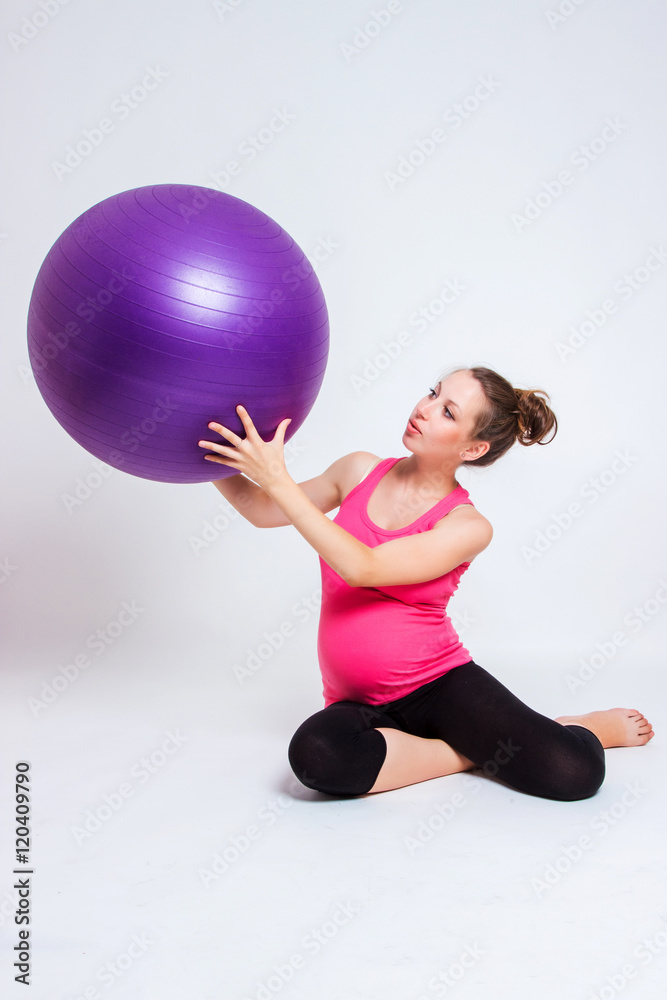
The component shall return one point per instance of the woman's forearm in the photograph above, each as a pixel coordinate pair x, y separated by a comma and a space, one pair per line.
346, 555
245, 496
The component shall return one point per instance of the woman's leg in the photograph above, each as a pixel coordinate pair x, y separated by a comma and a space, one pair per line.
460, 721
341, 750
350, 748
410, 759
481, 718
615, 727
338, 751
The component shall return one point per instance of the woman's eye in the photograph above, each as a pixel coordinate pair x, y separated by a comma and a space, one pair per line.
432, 392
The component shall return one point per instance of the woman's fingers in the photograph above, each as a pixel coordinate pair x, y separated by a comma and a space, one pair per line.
249, 426
246, 420
221, 449
223, 431
281, 430
230, 435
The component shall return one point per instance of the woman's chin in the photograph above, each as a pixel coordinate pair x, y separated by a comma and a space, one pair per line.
409, 437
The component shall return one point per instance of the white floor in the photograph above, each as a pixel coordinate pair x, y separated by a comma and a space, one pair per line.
175, 855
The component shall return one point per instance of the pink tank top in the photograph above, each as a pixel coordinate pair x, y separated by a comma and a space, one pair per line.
377, 644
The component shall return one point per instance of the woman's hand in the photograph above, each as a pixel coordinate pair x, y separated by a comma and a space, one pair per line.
262, 461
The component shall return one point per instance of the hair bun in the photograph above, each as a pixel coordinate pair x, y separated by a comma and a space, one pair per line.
507, 415
535, 417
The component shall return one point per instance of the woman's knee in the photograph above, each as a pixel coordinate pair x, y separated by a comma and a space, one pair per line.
335, 759
580, 777
582, 787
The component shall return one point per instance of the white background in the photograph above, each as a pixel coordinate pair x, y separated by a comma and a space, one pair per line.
362, 97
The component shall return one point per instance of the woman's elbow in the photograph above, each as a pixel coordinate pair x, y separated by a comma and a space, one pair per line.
359, 576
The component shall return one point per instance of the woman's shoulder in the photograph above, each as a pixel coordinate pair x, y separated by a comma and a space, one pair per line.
353, 468
367, 460
465, 514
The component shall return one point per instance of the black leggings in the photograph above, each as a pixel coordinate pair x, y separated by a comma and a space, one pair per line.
339, 751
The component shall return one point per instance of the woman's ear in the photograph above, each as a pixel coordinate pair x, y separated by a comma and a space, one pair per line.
476, 450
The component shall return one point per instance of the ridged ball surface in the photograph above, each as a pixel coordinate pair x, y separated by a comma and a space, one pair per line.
160, 309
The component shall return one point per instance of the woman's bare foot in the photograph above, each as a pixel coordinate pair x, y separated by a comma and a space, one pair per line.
616, 727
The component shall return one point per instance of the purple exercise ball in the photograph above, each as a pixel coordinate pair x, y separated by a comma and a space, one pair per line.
159, 310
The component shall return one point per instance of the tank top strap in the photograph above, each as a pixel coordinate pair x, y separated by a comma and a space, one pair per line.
359, 496
367, 484
456, 498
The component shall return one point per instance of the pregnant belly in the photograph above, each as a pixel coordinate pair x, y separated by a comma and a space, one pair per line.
381, 642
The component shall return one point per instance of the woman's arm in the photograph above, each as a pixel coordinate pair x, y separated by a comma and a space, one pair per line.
264, 463
326, 491
244, 495
456, 538
412, 559
341, 550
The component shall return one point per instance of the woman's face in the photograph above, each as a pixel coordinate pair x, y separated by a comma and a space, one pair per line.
445, 418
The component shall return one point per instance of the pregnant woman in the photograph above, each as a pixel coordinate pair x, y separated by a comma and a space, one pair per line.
404, 700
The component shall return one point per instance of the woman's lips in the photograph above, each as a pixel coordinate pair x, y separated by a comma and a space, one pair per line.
411, 424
